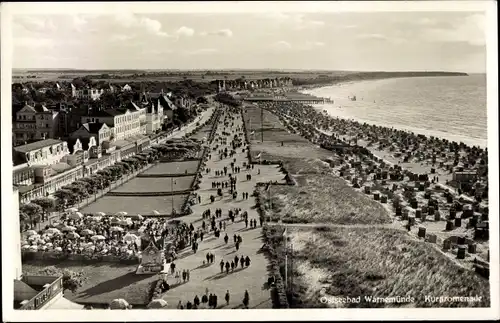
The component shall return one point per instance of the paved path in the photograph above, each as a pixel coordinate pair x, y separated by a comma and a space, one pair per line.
252, 278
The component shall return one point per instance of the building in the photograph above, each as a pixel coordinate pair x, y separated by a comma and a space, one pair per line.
125, 122
35, 123
154, 111
98, 130
70, 116
44, 152
16, 236
89, 93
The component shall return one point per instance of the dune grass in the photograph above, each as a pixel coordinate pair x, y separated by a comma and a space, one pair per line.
379, 263
321, 199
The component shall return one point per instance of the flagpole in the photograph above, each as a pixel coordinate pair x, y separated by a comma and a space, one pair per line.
286, 260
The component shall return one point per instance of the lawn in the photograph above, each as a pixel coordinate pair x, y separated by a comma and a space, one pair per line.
323, 199
174, 168
156, 184
378, 263
105, 282
136, 205
275, 134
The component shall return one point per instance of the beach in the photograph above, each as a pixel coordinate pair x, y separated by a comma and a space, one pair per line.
453, 108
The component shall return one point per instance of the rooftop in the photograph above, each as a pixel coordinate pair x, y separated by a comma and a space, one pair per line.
37, 145
93, 127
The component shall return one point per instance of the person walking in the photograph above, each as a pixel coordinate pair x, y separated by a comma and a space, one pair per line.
196, 301
204, 299
246, 299
236, 261
235, 238
227, 297
187, 274
210, 300
179, 305
227, 267
215, 301
242, 261
237, 245
247, 261
246, 223
208, 257
226, 238
184, 275
222, 266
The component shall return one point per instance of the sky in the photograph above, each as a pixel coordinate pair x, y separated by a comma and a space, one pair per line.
354, 41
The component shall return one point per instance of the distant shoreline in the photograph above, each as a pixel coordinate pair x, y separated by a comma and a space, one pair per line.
354, 78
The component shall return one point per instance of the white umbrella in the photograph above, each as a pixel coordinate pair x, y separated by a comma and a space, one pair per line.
98, 237
73, 235
96, 218
58, 249
115, 229
49, 244
72, 209
26, 246
137, 217
114, 220
34, 248
68, 228
75, 216
100, 214
156, 212
87, 232
31, 233
52, 230
121, 213
158, 303
130, 237
125, 222
33, 238
118, 304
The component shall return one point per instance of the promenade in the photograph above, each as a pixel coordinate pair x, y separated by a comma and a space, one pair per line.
252, 278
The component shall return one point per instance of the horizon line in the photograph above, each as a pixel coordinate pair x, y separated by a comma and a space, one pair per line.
70, 69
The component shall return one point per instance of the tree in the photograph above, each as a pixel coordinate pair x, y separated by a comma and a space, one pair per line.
33, 212
72, 280
65, 197
23, 220
46, 203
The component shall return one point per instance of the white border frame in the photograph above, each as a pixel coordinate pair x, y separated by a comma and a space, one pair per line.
8, 9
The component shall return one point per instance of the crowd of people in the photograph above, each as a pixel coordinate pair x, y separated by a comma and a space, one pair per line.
87, 234
443, 154
210, 300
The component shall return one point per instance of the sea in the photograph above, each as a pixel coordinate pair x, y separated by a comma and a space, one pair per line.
446, 107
